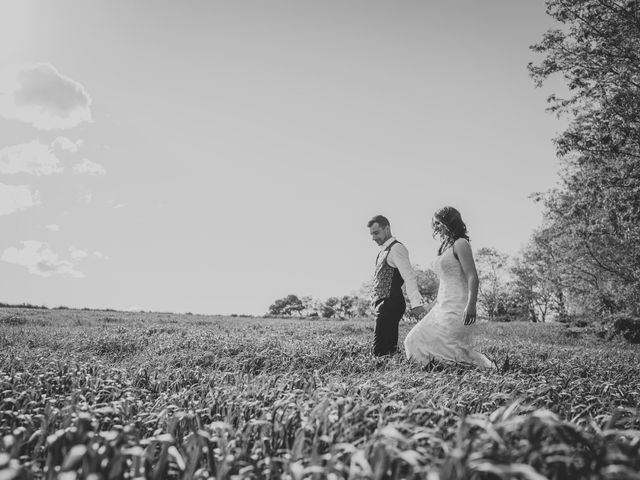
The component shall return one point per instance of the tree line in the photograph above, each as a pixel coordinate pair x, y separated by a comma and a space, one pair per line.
510, 289
355, 305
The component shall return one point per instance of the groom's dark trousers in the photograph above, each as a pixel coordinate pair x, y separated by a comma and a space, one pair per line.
388, 303
389, 312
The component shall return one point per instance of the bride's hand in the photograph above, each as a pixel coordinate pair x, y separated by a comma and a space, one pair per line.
469, 315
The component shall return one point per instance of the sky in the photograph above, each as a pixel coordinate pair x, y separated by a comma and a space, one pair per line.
213, 156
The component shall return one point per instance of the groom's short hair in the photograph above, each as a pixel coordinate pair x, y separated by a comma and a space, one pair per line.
380, 220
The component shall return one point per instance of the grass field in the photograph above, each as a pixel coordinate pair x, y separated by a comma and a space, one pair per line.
94, 394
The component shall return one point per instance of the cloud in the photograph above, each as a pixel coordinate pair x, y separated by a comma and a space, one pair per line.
115, 204
53, 227
78, 254
88, 167
17, 197
40, 95
63, 143
40, 260
34, 157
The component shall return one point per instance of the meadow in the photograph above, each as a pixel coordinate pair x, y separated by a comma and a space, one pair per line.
106, 395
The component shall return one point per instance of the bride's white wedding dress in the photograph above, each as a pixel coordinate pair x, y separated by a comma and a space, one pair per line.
442, 334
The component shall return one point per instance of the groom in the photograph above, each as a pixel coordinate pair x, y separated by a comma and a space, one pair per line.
393, 269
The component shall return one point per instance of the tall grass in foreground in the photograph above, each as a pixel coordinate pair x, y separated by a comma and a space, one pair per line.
97, 395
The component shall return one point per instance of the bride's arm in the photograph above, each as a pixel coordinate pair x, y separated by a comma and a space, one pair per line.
462, 249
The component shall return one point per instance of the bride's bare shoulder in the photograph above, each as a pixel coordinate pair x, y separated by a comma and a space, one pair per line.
461, 245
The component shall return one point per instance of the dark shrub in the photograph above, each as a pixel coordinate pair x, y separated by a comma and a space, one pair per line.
627, 326
111, 320
504, 317
13, 320
580, 320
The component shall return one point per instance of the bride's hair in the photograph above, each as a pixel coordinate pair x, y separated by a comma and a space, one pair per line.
451, 227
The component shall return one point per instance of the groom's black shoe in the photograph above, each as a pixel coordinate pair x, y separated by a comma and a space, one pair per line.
385, 353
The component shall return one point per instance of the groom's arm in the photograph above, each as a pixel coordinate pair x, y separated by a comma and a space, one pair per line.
399, 258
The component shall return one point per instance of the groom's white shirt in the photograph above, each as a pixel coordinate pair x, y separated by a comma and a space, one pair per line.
399, 258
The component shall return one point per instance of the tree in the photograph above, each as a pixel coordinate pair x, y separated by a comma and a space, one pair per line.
593, 218
558, 277
310, 307
532, 285
288, 306
492, 274
362, 306
428, 283
328, 308
347, 306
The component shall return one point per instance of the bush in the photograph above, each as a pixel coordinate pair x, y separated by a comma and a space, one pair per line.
504, 318
13, 320
581, 320
627, 326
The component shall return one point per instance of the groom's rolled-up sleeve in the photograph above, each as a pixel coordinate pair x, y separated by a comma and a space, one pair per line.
399, 258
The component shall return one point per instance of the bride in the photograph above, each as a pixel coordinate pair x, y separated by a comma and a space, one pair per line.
446, 332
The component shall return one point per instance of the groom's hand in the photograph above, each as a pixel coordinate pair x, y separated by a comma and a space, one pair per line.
418, 312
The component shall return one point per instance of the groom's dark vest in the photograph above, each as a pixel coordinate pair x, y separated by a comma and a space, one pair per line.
387, 281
